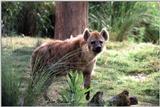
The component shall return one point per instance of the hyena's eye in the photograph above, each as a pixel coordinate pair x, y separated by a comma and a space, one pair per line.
92, 42
100, 42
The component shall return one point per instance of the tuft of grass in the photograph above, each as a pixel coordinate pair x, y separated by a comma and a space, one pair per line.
33, 91
10, 88
10, 83
74, 95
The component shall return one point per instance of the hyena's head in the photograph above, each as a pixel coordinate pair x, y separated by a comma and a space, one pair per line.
96, 40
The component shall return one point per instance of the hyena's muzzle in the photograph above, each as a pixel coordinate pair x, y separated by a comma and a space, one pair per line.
96, 46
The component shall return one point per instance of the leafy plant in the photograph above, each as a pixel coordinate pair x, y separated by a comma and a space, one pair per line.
74, 94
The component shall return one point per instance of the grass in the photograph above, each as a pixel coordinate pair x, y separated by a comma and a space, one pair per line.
124, 65
130, 66
73, 95
16, 53
10, 87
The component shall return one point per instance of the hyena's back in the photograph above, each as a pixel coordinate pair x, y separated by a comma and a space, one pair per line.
55, 50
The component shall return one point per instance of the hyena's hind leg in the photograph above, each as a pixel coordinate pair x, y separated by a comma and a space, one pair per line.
47, 84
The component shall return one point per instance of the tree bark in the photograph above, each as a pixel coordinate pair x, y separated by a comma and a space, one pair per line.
71, 18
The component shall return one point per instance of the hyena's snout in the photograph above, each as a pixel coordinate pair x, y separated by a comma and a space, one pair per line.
97, 48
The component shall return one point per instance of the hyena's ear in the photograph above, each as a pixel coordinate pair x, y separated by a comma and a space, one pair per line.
105, 34
86, 34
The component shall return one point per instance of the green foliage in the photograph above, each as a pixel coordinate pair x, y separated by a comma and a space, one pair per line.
110, 14
138, 21
99, 15
10, 10
74, 94
45, 18
28, 18
120, 13
133, 21
148, 21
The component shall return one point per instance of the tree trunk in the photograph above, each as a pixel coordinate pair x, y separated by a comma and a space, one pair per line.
71, 18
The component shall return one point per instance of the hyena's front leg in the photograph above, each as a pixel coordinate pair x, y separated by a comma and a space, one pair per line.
87, 77
87, 82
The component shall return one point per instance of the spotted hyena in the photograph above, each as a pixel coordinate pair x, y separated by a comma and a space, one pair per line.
78, 53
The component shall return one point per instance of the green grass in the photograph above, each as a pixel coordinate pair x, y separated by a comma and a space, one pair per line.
16, 53
10, 86
129, 66
123, 65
